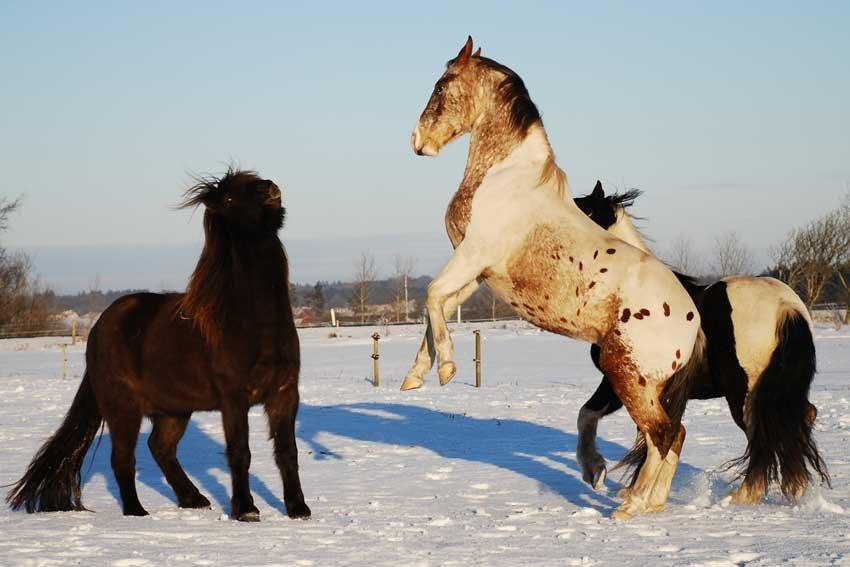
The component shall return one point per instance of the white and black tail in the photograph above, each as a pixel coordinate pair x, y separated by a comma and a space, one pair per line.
780, 444
52, 480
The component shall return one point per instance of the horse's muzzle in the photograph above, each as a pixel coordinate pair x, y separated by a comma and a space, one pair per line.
420, 147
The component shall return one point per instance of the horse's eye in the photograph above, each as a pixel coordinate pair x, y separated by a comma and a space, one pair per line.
228, 201
438, 89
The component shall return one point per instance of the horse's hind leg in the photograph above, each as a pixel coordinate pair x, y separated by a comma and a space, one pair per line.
281, 411
425, 357
603, 402
124, 432
234, 417
166, 434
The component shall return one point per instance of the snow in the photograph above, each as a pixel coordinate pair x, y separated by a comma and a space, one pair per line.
437, 476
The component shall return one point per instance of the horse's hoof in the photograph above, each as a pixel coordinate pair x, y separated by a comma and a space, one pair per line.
599, 479
624, 493
299, 511
621, 514
446, 372
249, 516
138, 512
197, 501
412, 382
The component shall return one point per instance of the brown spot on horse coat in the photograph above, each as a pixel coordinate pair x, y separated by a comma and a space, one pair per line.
678, 353
644, 312
580, 266
690, 316
603, 270
666, 309
610, 251
626, 314
590, 285
675, 364
642, 381
595, 254
638, 315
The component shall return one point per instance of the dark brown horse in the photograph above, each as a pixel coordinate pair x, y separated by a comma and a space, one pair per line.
227, 344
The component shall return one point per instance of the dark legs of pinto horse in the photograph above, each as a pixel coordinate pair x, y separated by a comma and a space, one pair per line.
166, 434
281, 412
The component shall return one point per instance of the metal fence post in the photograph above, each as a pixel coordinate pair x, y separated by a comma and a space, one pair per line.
376, 381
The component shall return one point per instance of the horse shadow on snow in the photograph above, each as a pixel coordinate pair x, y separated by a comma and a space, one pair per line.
538, 452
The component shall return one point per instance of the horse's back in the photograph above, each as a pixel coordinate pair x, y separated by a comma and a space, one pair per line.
141, 346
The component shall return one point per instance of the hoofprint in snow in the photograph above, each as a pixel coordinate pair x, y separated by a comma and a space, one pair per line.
439, 476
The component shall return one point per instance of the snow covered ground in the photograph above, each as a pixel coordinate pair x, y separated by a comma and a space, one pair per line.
439, 476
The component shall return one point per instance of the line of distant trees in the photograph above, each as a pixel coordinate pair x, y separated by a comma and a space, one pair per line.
814, 259
24, 301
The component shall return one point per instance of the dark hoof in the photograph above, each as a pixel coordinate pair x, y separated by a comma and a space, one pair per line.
196, 501
298, 511
252, 516
136, 512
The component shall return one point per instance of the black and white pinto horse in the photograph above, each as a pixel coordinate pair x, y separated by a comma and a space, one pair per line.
760, 357
515, 226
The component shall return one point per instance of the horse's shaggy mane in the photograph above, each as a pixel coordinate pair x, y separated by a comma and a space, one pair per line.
208, 300
623, 200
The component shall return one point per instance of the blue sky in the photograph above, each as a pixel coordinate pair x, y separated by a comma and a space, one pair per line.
731, 116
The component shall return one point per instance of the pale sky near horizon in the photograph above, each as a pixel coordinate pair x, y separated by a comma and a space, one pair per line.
730, 116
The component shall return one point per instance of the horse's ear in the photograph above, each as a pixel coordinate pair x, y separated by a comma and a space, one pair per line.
477, 53
465, 52
598, 191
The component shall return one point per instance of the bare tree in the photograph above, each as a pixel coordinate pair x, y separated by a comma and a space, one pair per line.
843, 269
403, 267
8, 207
731, 256
364, 276
682, 256
810, 256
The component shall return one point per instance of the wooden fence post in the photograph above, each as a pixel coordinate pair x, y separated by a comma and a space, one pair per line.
376, 380
73, 333
477, 358
64, 361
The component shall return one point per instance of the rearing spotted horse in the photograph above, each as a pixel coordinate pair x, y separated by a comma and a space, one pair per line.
514, 225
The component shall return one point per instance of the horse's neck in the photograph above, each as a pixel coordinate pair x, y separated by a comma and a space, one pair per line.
625, 230
494, 145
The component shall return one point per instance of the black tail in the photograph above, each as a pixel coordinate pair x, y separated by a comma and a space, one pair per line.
674, 400
52, 481
779, 432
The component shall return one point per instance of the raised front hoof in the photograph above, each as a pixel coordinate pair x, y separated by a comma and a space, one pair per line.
196, 501
622, 514
446, 372
135, 511
298, 511
412, 382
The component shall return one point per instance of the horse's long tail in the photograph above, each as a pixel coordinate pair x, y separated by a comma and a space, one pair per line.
674, 400
52, 481
780, 417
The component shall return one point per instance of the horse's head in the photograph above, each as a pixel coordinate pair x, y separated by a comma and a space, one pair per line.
240, 200
604, 209
470, 86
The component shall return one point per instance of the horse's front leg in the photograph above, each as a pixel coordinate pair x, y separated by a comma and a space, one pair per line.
281, 410
464, 267
234, 417
425, 357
